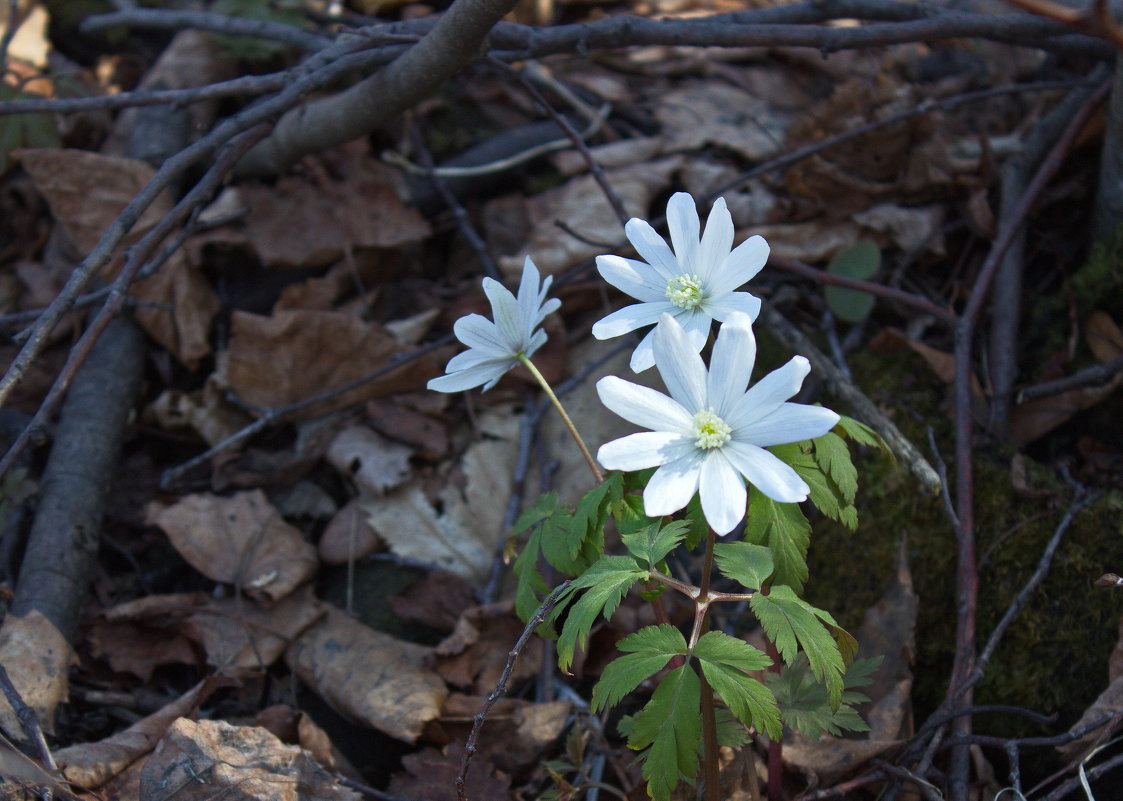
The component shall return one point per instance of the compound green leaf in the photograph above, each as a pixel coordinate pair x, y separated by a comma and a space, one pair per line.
783, 529
749, 565
792, 623
724, 660
651, 544
804, 704
605, 584
671, 725
647, 651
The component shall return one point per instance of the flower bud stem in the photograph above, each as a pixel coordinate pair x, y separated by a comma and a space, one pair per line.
565, 417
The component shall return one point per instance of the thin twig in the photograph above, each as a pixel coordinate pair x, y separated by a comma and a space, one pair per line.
470, 747
29, 721
1090, 376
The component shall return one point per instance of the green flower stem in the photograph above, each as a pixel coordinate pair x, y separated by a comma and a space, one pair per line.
529, 365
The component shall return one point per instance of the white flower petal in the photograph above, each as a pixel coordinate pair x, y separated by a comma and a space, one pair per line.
487, 372
723, 493
731, 303
537, 340
480, 333
505, 310
731, 364
528, 301
766, 472
679, 364
643, 406
672, 486
652, 248
696, 323
643, 450
470, 358
766, 395
628, 319
682, 221
746, 260
716, 242
633, 278
792, 422
643, 357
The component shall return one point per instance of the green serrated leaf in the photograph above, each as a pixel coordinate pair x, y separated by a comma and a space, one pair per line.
861, 433
670, 725
860, 260
647, 651
804, 704
724, 660
792, 623
605, 584
782, 528
832, 455
731, 732
651, 544
749, 565
699, 528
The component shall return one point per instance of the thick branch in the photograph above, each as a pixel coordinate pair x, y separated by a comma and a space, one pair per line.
454, 42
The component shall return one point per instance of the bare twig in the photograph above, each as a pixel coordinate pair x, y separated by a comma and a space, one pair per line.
1088, 377
176, 20
470, 747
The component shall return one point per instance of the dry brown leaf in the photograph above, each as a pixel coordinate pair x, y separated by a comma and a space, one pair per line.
373, 462
86, 192
1109, 702
91, 765
427, 435
463, 537
238, 540
1103, 335
1036, 418
367, 676
297, 354
22, 778
432, 774
37, 658
813, 241
908, 228
583, 207
208, 759
473, 656
359, 212
713, 113
348, 536
132, 647
436, 601
206, 411
517, 733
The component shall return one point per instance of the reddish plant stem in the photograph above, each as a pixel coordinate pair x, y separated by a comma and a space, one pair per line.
967, 579
775, 747
709, 721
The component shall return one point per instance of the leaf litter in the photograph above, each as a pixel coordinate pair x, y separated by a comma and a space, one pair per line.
420, 482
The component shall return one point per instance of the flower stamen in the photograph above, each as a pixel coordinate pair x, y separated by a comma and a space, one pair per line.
685, 291
709, 430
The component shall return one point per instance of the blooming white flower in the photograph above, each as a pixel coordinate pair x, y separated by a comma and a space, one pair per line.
495, 347
711, 431
694, 283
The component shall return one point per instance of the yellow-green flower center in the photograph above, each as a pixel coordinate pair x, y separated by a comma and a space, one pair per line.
685, 291
710, 431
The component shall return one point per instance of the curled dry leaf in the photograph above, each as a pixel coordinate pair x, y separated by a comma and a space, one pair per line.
207, 412
373, 462
37, 658
301, 353
348, 536
367, 676
86, 192
238, 540
463, 537
208, 759
91, 765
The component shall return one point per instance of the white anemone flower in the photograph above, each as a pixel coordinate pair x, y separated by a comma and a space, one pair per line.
496, 347
711, 434
694, 283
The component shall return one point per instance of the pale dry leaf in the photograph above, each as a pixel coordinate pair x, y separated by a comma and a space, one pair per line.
911, 229
713, 113
362, 211
208, 759
37, 658
1115, 662
206, 411
367, 676
30, 43
373, 462
463, 537
184, 328
612, 155
582, 206
297, 354
348, 536
91, 765
1109, 702
812, 241
1103, 335
411, 330
238, 540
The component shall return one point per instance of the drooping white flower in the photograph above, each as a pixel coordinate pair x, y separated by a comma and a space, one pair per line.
694, 283
495, 347
711, 432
